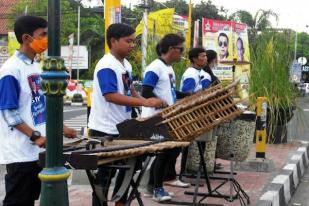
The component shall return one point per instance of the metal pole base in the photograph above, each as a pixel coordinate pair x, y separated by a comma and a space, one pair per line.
54, 189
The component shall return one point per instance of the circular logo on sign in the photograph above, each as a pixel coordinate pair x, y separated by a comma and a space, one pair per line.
302, 60
295, 77
3, 50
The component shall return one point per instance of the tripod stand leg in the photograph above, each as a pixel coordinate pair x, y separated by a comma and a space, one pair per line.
198, 178
134, 184
231, 177
241, 192
201, 152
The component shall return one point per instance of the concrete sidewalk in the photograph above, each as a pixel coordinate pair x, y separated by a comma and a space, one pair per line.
255, 184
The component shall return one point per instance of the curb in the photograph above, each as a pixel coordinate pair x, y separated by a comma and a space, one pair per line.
283, 186
69, 103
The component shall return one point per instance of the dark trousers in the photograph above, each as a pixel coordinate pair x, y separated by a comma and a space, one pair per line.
22, 184
183, 164
170, 169
163, 160
88, 113
105, 176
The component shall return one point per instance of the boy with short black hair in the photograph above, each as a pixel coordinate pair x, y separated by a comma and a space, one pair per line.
207, 76
113, 95
159, 81
190, 81
23, 114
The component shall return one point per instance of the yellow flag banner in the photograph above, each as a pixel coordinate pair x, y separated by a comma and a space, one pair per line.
159, 23
12, 43
188, 33
112, 14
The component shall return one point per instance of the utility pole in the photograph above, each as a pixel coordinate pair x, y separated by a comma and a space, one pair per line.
144, 35
78, 41
188, 34
295, 46
54, 176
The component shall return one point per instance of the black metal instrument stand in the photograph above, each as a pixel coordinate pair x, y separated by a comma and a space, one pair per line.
202, 167
234, 185
130, 182
134, 193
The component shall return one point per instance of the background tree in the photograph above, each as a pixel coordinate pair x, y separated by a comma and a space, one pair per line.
131, 16
258, 22
92, 23
92, 26
207, 10
134, 16
302, 44
244, 17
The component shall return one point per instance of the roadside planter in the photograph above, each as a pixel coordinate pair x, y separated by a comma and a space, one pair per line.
277, 128
235, 138
193, 159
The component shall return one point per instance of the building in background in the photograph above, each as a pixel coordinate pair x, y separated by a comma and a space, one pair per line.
5, 11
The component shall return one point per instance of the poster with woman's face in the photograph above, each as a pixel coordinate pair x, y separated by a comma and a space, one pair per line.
241, 52
241, 44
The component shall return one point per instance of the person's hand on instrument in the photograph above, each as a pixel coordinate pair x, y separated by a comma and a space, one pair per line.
69, 132
155, 102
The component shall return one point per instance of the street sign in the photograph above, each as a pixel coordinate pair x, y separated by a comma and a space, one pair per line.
4, 54
305, 68
70, 60
302, 60
305, 74
295, 72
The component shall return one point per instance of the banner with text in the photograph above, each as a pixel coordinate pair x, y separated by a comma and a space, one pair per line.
70, 57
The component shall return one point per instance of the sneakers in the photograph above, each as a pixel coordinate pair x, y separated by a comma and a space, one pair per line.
178, 183
159, 195
149, 193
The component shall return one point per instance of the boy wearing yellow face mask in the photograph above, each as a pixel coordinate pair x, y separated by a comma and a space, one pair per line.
22, 113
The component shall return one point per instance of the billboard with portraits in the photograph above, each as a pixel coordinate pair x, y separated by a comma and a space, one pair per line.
230, 40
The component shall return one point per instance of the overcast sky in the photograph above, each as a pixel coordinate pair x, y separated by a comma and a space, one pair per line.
292, 13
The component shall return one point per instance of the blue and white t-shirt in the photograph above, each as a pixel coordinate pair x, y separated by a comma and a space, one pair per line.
205, 79
110, 76
20, 88
190, 80
162, 78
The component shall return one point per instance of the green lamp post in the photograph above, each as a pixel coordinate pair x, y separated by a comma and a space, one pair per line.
54, 176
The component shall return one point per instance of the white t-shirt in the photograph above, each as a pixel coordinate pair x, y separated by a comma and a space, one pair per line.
110, 76
190, 80
162, 78
205, 79
20, 88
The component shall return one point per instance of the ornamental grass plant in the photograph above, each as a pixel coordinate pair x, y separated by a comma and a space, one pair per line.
271, 57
